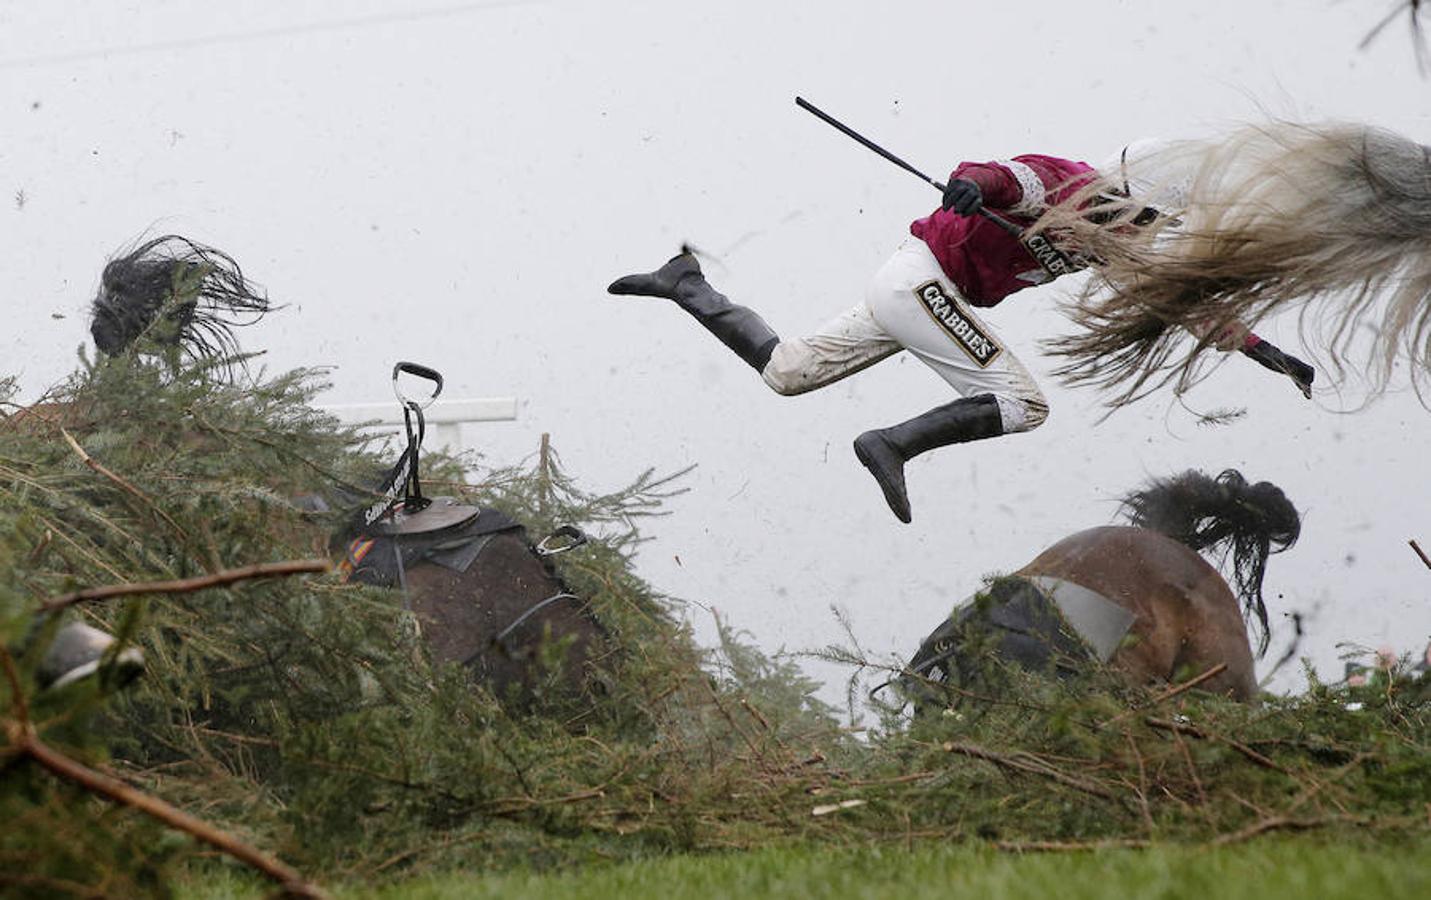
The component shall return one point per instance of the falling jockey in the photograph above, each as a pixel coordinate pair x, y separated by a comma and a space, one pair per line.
924, 299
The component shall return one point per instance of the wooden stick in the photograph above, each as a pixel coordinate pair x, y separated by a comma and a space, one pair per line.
21, 735
1172, 692
1071, 846
1189, 685
1273, 823
1023, 765
750, 708
1180, 728
899, 779
22, 711
292, 882
507, 805
1192, 770
125, 485
1142, 789
186, 585
55, 887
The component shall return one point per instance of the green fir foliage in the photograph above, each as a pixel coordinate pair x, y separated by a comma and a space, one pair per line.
302, 715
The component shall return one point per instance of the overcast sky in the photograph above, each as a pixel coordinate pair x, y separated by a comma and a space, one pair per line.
457, 183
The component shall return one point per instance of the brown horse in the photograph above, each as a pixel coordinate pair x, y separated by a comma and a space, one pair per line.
1139, 597
483, 596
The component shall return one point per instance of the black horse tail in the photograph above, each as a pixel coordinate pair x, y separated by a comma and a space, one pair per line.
1252, 521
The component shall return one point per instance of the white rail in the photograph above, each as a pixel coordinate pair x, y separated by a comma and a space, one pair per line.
444, 418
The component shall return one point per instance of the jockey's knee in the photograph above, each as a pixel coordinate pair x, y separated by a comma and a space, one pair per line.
1022, 411
787, 375
786, 384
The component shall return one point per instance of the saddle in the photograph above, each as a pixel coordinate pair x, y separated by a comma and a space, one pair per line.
483, 596
444, 532
479, 589
1039, 624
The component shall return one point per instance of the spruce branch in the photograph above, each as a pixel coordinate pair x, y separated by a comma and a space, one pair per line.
1274, 823
189, 585
1071, 846
128, 488
24, 743
1172, 692
1193, 731
1022, 761
292, 882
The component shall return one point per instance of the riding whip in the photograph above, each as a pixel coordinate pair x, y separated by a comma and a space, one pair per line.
1056, 262
992, 216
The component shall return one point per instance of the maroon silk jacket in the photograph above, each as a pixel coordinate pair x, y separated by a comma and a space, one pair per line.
985, 262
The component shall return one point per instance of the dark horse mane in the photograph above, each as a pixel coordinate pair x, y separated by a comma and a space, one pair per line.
178, 293
1252, 521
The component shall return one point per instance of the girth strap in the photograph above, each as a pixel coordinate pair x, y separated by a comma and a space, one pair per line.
1098, 620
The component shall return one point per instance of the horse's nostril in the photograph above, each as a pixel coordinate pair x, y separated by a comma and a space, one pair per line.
107, 331
105, 339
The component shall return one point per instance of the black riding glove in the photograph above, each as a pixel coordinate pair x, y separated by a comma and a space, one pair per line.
963, 196
1273, 358
1301, 373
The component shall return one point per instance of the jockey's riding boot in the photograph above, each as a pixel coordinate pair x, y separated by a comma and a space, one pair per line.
884, 451
77, 652
739, 328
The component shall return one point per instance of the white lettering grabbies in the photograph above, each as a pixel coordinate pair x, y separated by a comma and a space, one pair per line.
945, 311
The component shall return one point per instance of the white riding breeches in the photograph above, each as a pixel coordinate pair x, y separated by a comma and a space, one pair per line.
910, 304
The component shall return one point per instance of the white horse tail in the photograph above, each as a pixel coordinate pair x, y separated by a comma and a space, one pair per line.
1332, 220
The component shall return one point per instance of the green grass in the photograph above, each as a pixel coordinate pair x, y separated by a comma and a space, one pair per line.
1303, 867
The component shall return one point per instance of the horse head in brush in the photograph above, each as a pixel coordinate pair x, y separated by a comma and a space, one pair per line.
175, 297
